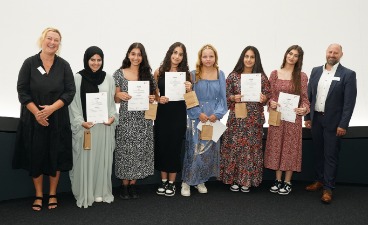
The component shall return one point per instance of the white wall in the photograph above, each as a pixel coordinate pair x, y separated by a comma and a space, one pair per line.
230, 25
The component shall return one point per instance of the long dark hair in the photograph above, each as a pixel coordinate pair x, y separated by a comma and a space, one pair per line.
145, 71
257, 68
296, 75
166, 63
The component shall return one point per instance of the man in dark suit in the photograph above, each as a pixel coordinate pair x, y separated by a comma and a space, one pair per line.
332, 93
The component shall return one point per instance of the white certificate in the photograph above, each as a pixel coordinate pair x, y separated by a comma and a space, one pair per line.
96, 107
174, 85
218, 129
139, 90
288, 102
251, 87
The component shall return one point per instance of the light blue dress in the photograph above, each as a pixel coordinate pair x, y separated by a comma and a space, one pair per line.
201, 159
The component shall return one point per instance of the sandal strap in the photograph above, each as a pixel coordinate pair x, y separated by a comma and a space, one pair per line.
39, 206
53, 203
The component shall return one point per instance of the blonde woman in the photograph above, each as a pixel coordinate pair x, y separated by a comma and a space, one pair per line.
201, 160
44, 139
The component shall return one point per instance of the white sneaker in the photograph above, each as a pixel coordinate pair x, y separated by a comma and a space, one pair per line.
245, 189
234, 187
98, 199
276, 186
286, 189
201, 188
170, 190
185, 189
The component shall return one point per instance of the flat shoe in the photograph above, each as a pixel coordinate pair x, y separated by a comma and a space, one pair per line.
245, 189
52, 204
37, 207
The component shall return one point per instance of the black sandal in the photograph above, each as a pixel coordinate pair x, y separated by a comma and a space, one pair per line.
53, 203
37, 206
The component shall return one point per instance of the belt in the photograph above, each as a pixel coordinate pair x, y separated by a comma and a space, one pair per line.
319, 113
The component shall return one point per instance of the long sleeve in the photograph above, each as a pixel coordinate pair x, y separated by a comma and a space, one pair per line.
274, 95
75, 108
304, 92
23, 83
112, 107
193, 113
310, 95
221, 106
69, 85
230, 89
266, 87
350, 93
76, 120
274, 92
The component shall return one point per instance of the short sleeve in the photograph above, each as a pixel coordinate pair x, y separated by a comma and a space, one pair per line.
117, 78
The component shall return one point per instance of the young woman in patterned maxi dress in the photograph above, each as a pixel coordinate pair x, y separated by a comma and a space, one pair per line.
284, 143
241, 150
134, 134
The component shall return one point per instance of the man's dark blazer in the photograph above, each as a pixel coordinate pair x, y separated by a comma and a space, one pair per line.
340, 100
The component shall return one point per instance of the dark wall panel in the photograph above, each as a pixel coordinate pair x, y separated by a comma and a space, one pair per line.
353, 165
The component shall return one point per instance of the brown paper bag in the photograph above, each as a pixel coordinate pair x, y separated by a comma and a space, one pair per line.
150, 114
274, 118
241, 110
191, 99
87, 140
206, 133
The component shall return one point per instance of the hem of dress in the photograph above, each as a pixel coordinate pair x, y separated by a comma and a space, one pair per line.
134, 178
283, 170
200, 182
168, 171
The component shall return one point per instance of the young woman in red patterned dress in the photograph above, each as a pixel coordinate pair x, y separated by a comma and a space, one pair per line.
284, 143
241, 163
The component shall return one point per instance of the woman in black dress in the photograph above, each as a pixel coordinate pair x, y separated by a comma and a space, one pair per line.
170, 123
44, 139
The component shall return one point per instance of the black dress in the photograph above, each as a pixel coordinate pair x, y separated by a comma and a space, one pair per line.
39, 149
169, 133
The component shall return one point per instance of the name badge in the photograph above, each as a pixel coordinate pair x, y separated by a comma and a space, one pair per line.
336, 78
42, 71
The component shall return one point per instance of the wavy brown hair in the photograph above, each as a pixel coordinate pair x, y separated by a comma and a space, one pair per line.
145, 71
166, 63
296, 75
